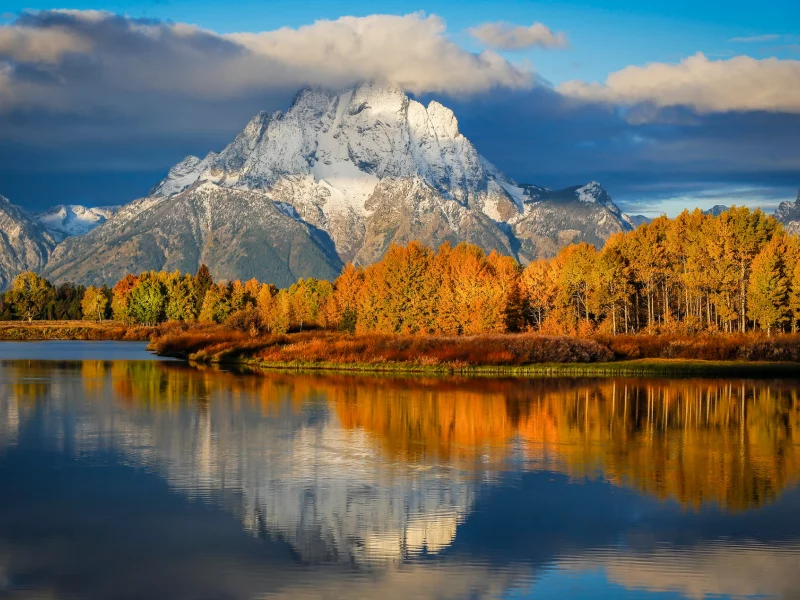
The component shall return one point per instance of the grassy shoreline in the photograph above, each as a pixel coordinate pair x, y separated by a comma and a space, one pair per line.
632, 368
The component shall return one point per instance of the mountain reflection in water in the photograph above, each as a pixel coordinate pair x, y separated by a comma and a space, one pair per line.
350, 486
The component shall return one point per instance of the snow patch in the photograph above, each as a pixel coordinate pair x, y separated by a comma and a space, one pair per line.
68, 220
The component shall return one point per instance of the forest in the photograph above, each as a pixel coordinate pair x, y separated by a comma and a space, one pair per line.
736, 272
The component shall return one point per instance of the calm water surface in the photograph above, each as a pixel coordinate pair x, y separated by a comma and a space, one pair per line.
125, 478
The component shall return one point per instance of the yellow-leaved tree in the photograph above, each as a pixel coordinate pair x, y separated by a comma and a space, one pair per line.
767, 293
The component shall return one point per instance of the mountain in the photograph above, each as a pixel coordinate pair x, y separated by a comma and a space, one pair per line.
716, 210
24, 243
788, 213
67, 220
639, 220
335, 178
553, 219
241, 233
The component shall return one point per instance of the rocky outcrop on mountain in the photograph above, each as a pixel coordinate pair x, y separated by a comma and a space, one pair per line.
716, 210
553, 219
241, 233
337, 177
67, 220
24, 244
788, 213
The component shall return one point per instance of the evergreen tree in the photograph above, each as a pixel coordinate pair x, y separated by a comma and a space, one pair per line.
202, 283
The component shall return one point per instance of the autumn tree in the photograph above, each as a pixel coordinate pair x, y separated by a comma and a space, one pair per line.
768, 289
216, 304
94, 303
120, 302
29, 295
182, 300
341, 308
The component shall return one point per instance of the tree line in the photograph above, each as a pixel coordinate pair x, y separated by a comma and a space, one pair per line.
738, 271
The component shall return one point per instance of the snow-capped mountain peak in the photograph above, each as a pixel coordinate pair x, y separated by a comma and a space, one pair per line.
349, 174
66, 220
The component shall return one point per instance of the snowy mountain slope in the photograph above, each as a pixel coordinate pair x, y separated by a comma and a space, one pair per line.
24, 244
337, 177
327, 154
238, 233
66, 220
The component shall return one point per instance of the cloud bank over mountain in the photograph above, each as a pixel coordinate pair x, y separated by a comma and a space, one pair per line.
95, 106
740, 83
62, 60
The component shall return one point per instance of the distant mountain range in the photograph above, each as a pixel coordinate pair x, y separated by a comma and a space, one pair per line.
335, 178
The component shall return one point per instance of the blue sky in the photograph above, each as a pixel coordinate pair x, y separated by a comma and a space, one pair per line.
689, 153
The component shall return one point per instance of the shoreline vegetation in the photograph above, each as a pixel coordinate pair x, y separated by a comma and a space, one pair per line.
523, 355
511, 355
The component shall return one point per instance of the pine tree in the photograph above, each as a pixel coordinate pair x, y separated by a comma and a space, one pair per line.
202, 283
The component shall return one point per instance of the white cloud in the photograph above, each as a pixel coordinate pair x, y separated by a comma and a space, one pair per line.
507, 36
411, 51
741, 83
91, 59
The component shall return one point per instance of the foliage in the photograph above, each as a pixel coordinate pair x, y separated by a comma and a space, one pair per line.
29, 295
697, 273
147, 301
94, 303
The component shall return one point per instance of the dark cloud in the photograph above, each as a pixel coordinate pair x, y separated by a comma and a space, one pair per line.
541, 137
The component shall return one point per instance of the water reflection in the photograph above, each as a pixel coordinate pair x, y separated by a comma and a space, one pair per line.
437, 488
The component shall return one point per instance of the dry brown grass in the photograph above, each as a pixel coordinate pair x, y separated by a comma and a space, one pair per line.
87, 330
732, 346
341, 348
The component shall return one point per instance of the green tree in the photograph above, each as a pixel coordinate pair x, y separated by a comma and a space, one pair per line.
29, 295
147, 301
182, 301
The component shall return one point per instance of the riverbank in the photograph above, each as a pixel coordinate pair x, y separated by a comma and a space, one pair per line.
524, 355
629, 368
111, 331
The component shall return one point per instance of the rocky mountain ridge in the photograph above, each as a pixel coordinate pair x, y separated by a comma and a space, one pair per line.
24, 243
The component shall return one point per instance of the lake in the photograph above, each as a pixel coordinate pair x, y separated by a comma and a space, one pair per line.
127, 477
